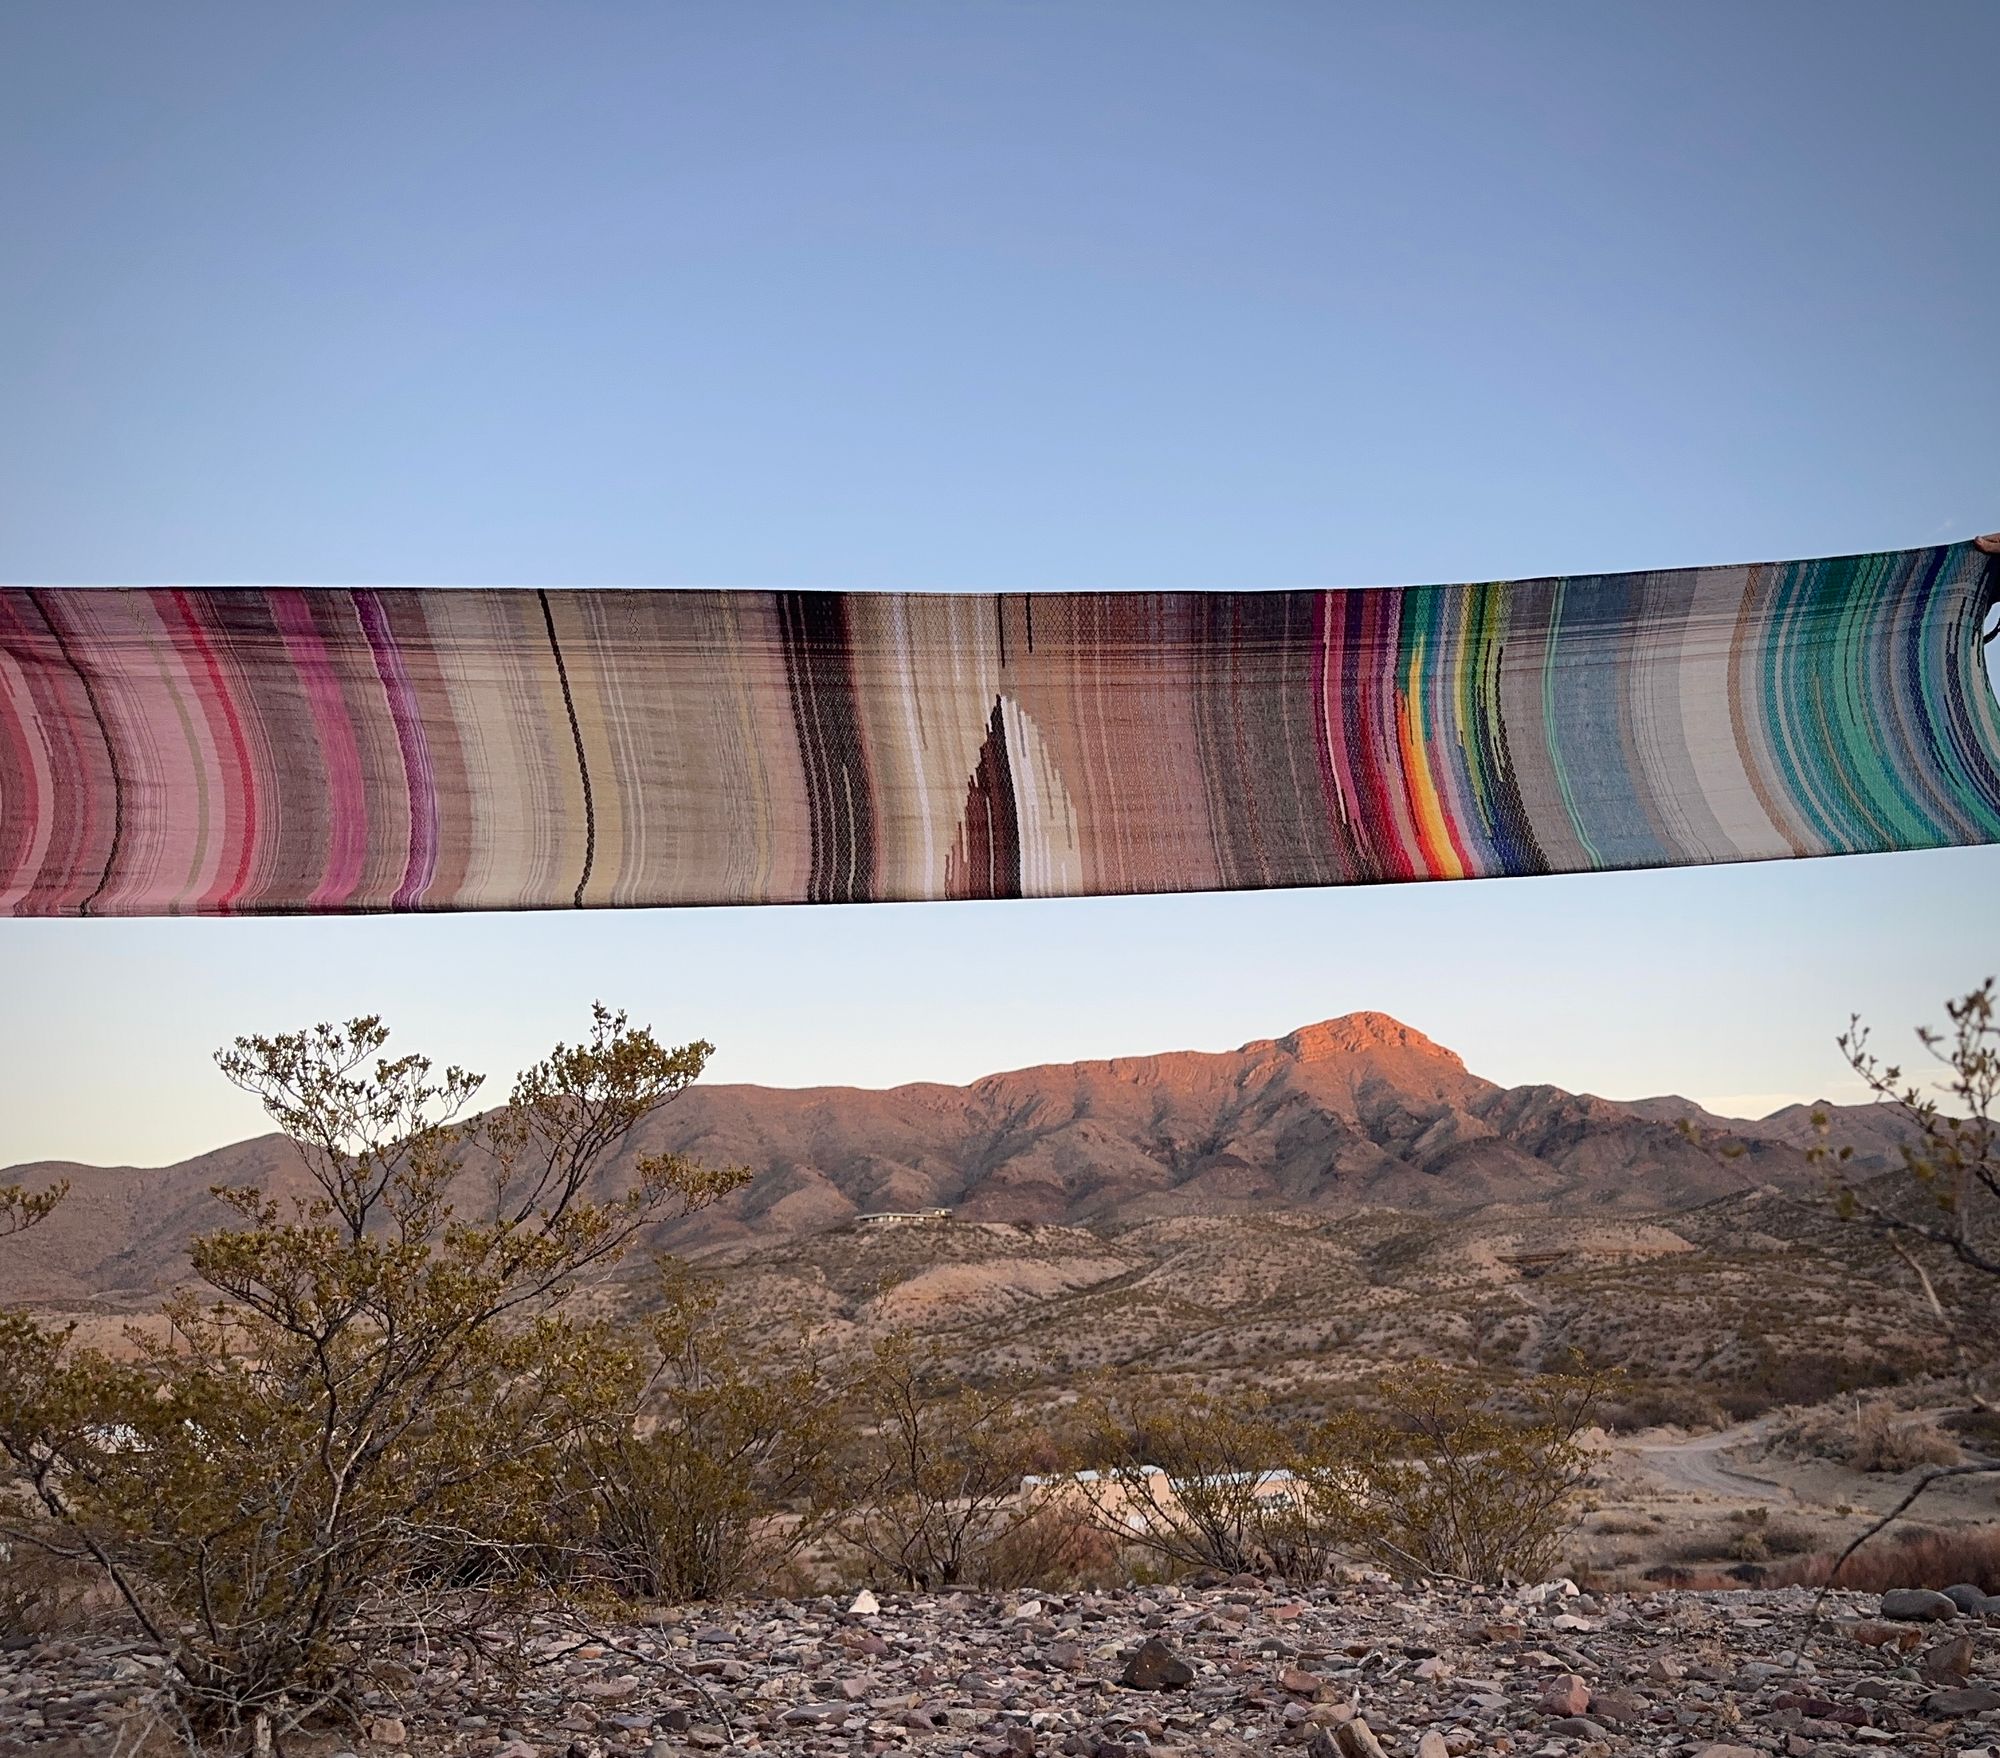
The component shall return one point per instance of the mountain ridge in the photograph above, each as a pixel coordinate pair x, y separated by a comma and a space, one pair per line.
1357, 1111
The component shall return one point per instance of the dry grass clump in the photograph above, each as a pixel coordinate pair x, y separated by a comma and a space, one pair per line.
1661, 1404
1873, 1437
1616, 1525
1751, 1535
1925, 1557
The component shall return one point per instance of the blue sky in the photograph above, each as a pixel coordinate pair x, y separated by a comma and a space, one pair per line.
1013, 295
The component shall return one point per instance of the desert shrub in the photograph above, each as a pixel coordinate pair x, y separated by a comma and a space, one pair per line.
1715, 1544
1625, 1525
1885, 1440
348, 1434
1977, 1429
41, 1593
1936, 1219
714, 1462
1755, 1537
1874, 1437
1445, 1480
1952, 1161
935, 1476
21, 1208
1199, 1482
1434, 1475
1915, 1557
1661, 1404
1054, 1547
1772, 1378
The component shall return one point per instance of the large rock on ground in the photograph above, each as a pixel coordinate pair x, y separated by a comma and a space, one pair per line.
1565, 1695
1971, 1700
1156, 1667
1948, 1662
1917, 1605
1619, 1708
1351, 1739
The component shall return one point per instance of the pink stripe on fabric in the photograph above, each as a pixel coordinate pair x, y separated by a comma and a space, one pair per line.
346, 790
30, 764
217, 695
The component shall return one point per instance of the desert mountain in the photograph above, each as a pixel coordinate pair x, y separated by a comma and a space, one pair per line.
1357, 1112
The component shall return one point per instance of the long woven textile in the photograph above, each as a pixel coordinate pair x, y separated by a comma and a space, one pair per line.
167, 751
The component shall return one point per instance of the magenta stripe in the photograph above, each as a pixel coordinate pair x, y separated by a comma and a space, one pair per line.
340, 756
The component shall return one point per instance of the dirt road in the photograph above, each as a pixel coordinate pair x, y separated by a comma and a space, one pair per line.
1703, 1465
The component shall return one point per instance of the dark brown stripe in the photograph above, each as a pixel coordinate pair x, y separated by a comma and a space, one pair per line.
827, 718
582, 762
110, 751
988, 855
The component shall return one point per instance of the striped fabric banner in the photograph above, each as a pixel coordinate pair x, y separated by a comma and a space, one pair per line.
173, 751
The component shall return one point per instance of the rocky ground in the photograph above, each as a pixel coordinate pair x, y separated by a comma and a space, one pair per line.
1344, 1672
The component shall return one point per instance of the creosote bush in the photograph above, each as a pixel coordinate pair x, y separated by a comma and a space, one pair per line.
1199, 1482
934, 1483
1446, 1479
1941, 1217
1952, 1159
21, 1208
1431, 1477
714, 1459
350, 1431
41, 1594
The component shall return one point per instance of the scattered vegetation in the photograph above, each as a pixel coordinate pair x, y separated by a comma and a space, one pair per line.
1431, 1476
1872, 1437
1959, 1555
1750, 1535
347, 1433
935, 1488
387, 1407
1943, 1212
1954, 1162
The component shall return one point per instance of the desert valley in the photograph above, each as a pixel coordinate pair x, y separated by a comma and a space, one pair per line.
1271, 1230
1278, 1221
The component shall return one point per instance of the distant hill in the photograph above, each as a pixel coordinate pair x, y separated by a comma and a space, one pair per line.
1714, 1312
1360, 1112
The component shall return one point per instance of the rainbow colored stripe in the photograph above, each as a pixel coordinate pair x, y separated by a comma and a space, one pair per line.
173, 751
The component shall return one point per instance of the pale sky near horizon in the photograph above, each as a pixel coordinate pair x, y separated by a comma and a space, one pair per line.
997, 296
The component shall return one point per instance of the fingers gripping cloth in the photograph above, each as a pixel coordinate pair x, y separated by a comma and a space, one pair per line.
252, 750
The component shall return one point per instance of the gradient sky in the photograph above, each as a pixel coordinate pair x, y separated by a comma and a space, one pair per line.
997, 296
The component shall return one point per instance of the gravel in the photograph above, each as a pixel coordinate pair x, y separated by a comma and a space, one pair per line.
1232, 1669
